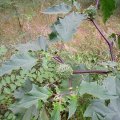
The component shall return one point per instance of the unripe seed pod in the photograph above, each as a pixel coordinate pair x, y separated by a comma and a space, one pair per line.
64, 69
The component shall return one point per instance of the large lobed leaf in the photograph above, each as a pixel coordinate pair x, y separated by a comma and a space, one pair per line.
95, 90
73, 102
17, 61
107, 8
31, 98
58, 9
43, 114
115, 106
65, 27
40, 44
25, 88
97, 110
112, 83
32, 111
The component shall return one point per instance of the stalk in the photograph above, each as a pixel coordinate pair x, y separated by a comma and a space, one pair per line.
110, 45
97, 3
59, 60
91, 71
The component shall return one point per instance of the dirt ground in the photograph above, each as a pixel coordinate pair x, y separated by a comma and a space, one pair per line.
16, 30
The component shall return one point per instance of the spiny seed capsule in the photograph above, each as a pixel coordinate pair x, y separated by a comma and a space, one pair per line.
64, 69
91, 12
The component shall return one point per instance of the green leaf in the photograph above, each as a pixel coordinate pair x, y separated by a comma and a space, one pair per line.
95, 90
31, 98
29, 113
16, 61
40, 44
25, 88
110, 64
56, 111
115, 107
3, 50
7, 91
118, 84
43, 115
76, 4
110, 84
72, 105
12, 87
107, 8
99, 107
96, 116
66, 27
8, 79
58, 9
43, 43
43, 93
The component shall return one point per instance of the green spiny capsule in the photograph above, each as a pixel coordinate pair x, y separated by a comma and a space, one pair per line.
91, 12
64, 69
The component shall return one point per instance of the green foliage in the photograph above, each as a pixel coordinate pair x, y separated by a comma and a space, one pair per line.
95, 90
3, 50
18, 61
73, 102
8, 116
31, 98
64, 69
64, 28
40, 44
43, 114
58, 9
35, 86
56, 111
91, 12
97, 108
107, 8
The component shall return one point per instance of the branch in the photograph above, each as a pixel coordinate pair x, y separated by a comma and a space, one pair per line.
110, 45
91, 71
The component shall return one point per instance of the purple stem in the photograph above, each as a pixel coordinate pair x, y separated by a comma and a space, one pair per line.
91, 71
58, 59
97, 3
106, 40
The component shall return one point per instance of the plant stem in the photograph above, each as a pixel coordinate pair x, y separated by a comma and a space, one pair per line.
97, 3
106, 40
91, 71
70, 84
58, 59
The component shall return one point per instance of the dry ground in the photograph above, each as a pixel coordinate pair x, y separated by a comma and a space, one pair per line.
30, 27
